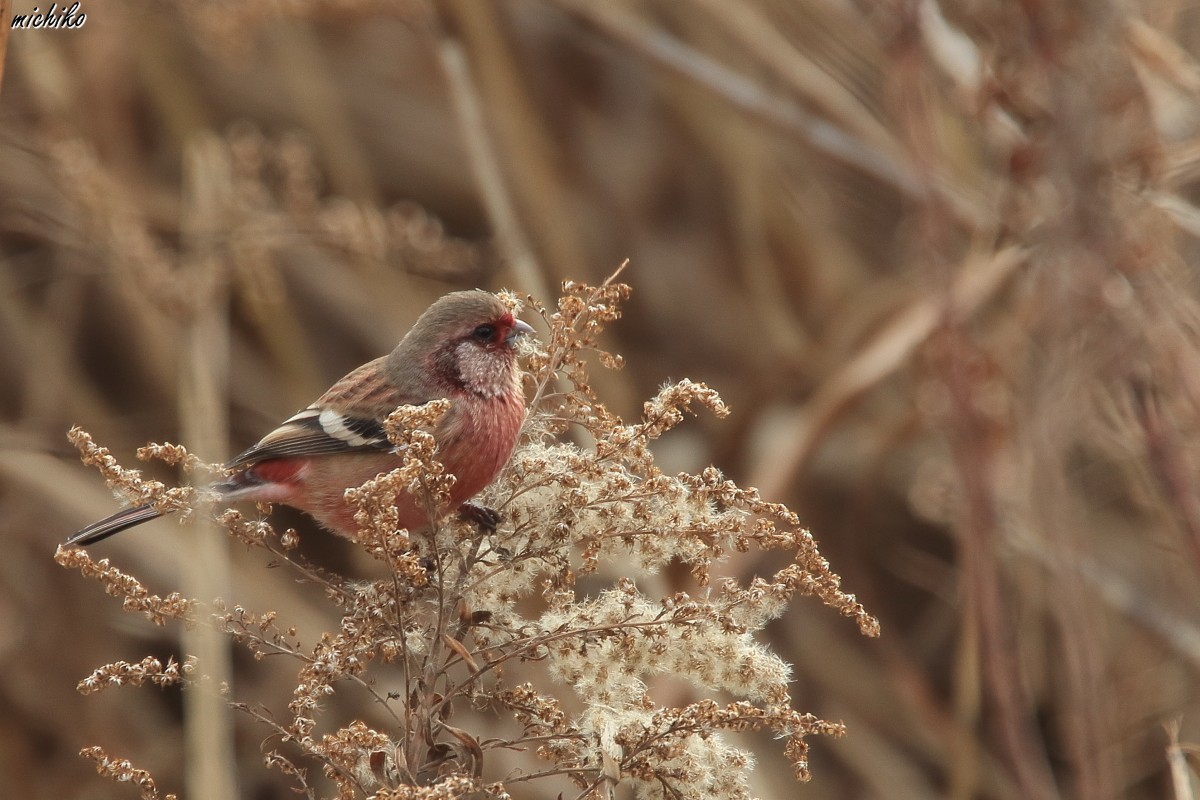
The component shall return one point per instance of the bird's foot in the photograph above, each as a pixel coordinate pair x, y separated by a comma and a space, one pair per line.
486, 518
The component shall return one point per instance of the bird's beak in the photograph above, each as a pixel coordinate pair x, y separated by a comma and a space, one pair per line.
519, 328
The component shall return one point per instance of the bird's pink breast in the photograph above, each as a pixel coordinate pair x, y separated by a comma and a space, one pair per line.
475, 441
479, 440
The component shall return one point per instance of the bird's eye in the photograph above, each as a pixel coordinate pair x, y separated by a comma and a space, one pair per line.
484, 333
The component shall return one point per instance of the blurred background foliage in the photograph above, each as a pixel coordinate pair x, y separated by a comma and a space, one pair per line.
935, 255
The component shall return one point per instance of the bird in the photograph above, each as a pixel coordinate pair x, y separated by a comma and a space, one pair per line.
462, 349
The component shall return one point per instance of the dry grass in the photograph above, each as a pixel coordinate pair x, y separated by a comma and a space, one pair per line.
933, 255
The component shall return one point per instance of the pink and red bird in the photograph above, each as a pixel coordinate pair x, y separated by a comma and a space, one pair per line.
461, 349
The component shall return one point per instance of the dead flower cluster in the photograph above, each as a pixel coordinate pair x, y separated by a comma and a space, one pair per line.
555, 621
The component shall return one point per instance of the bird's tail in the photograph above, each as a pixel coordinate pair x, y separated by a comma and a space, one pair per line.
126, 518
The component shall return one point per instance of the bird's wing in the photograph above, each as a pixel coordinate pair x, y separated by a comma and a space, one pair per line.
346, 419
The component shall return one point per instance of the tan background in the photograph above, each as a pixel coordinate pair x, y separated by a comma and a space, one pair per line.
937, 257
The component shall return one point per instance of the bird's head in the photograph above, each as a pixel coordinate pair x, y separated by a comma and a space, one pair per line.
465, 341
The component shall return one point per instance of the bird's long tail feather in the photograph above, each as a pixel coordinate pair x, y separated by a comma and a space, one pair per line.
126, 518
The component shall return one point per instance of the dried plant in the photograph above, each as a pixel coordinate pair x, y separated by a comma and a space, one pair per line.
938, 255
554, 621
